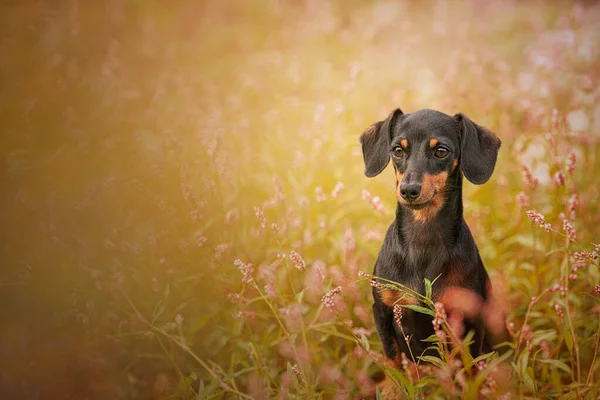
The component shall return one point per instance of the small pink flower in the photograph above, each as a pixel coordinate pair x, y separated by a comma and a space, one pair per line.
572, 206
270, 291
201, 240
337, 190
260, 215
320, 194
328, 298
559, 179
522, 200
597, 288
319, 267
539, 219
348, 243
297, 260
361, 332
577, 266
376, 204
571, 162
440, 316
530, 181
559, 311
568, 227
274, 228
398, 314
232, 216
545, 346
303, 202
245, 269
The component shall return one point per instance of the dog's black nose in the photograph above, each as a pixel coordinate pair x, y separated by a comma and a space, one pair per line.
410, 191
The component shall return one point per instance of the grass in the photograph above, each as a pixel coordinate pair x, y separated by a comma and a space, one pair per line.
186, 214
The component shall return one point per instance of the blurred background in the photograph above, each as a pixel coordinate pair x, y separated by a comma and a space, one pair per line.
145, 146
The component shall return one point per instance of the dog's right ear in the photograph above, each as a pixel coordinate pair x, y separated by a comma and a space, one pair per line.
375, 144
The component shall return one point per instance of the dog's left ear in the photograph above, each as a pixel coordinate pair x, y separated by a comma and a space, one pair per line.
375, 144
479, 150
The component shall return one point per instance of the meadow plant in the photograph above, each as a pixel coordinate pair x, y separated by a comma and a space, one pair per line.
192, 220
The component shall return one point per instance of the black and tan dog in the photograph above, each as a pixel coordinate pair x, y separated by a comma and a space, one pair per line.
431, 152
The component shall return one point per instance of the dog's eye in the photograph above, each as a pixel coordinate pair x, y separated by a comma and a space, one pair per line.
441, 152
398, 152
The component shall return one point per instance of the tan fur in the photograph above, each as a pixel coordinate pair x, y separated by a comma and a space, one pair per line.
433, 143
454, 165
430, 184
404, 143
390, 297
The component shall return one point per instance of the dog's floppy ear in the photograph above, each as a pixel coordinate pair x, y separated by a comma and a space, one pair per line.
479, 150
375, 144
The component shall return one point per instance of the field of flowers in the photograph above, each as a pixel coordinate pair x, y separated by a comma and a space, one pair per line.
185, 214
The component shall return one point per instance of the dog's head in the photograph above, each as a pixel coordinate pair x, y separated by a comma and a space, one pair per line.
427, 147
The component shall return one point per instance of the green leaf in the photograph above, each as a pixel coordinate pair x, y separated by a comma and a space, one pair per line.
378, 393
558, 364
428, 286
529, 383
419, 309
431, 339
569, 340
365, 342
433, 360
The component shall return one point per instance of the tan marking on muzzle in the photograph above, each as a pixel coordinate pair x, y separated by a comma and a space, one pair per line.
433, 143
429, 186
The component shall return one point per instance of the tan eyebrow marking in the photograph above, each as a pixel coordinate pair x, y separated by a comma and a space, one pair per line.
433, 143
404, 143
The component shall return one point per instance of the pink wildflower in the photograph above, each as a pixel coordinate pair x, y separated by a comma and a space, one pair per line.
376, 204
328, 298
573, 203
274, 228
337, 190
319, 267
201, 240
530, 181
571, 162
539, 219
559, 179
559, 311
597, 288
297, 260
522, 200
577, 266
398, 314
568, 227
260, 215
245, 269
270, 291
361, 332
440, 316
320, 194
348, 243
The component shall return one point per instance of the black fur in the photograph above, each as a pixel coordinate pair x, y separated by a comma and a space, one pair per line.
441, 245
